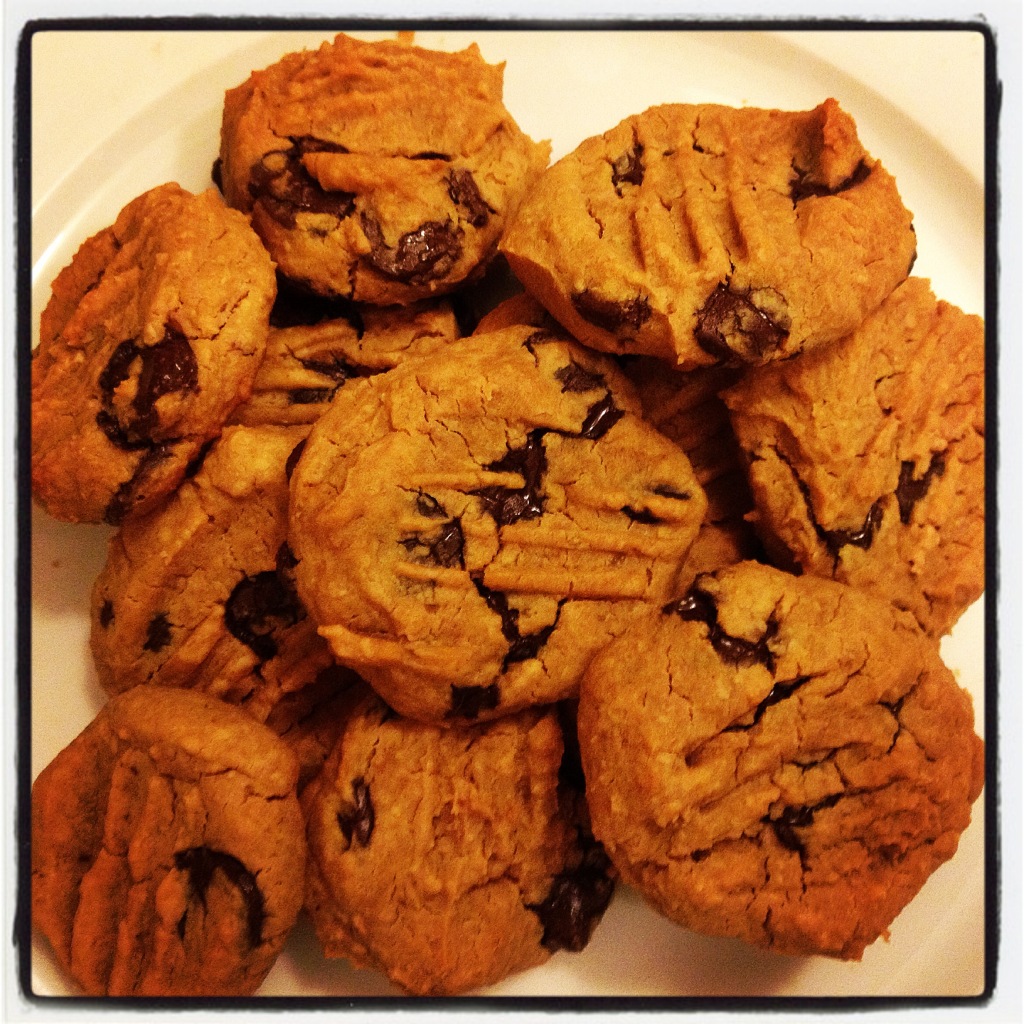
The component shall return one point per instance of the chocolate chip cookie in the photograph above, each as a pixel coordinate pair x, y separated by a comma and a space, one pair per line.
167, 848
306, 363
867, 458
200, 593
152, 336
709, 234
450, 857
787, 764
471, 527
381, 171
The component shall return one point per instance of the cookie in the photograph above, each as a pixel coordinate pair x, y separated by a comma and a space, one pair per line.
470, 527
167, 848
199, 593
305, 364
706, 234
449, 857
152, 336
867, 459
381, 171
786, 762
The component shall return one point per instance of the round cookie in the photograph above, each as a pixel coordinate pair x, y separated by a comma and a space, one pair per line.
199, 593
709, 234
471, 527
167, 848
305, 364
152, 335
449, 857
867, 458
779, 759
381, 171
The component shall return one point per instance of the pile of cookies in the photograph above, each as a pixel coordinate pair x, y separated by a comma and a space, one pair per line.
491, 530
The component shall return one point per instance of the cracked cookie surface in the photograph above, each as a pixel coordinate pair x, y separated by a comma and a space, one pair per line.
450, 857
787, 763
200, 593
167, 848
867, 458
709, 234
152, 335
470, 528
381, 171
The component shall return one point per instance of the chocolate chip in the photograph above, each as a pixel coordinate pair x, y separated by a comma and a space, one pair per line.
729, 326
778, 693
668, 492
575, 379
510, 504
106, 613
793, 817
132, 492
258, 606
910, 491
217, 174
447, 548
699, 606
521, 647
470, 701
601, 417
356, 818
628, 168
803, 186
577, 899
293, 459
612, 315
169, 366
200, 863
463, 191
284, 188
424, 254
429, 507
158, 633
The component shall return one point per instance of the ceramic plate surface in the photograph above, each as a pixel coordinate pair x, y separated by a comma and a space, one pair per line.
154, 116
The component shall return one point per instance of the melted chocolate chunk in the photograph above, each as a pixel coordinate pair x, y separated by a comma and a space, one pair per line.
803, 186
293, 459
778, 693
422, 255
463, 191
628, 168
165, 368
510, 504
575, 379
791, 818
835, 540
132, 491
106, 614
310, 396
601, 417
356, 819
668, 492
196, 463
521, 647
910, 491
200, 863
260, 605
284, 188
217, 174
469, 701
447, 548
614, 316
730, 326
158, 633
429, 507
699, 606
576, 901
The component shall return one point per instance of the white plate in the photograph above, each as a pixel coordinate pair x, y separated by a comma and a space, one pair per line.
154, 116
